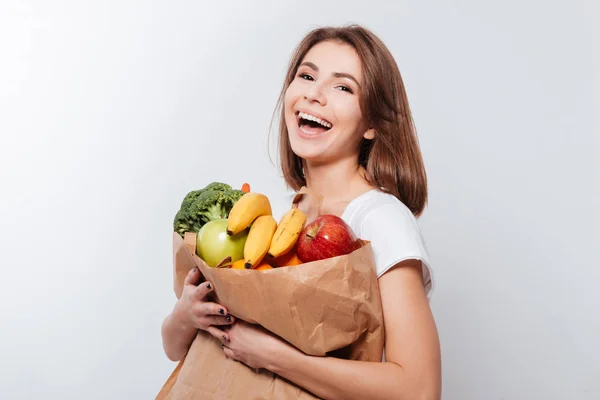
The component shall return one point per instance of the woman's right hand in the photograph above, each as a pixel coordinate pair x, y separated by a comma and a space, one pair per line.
194, 309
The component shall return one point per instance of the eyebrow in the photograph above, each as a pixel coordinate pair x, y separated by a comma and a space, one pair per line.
336, 74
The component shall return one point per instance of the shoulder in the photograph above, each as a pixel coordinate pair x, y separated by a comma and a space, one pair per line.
379, 209
393, 231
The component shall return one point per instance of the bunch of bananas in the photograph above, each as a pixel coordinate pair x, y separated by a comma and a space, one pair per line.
266, 238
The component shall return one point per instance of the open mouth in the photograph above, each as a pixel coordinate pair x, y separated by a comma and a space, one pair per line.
312, 125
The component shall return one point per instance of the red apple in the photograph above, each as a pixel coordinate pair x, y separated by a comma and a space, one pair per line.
325, 237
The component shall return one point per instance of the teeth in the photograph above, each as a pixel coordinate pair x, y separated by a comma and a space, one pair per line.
316, 119
307, 132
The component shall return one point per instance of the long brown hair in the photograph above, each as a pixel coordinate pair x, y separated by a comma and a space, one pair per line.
393, 158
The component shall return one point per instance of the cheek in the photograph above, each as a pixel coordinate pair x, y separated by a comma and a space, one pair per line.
349, 115
291, 95
289, 100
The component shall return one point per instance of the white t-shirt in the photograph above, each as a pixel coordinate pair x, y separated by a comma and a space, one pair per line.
392, 230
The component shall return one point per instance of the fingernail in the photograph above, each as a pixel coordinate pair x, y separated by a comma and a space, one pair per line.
228, 318
221, 311
208, 286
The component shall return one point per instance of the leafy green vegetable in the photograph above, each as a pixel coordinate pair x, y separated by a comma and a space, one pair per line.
200, 206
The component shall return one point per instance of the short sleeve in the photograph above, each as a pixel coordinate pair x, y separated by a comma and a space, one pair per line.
395, 236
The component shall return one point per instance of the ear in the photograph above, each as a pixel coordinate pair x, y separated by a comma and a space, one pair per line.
369, 134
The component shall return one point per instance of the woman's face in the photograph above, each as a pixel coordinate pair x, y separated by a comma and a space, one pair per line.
322, 110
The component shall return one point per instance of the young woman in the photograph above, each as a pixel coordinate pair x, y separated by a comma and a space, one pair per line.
346, 133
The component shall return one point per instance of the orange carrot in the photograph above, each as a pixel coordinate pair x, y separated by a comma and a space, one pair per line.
245, 188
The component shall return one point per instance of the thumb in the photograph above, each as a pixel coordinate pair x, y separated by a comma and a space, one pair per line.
193, 277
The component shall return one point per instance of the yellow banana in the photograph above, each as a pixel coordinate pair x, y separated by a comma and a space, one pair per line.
287, 232
259, 240
249, 207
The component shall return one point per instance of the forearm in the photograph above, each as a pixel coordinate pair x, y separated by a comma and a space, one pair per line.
177, 336
413, 370
332, 378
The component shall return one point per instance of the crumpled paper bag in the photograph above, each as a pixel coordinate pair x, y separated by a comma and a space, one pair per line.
329, 307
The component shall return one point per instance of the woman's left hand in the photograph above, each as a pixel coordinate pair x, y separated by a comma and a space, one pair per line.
252, 344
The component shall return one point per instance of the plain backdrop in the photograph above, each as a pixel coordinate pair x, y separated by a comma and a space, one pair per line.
110, 112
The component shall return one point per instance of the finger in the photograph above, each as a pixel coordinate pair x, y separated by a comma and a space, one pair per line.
216, 320
218, 334
193, 277
210, 308
228, 352
204, 289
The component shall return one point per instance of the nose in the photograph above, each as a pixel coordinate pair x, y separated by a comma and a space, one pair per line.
315, 93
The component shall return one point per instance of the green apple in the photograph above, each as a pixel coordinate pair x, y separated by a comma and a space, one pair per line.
213, 244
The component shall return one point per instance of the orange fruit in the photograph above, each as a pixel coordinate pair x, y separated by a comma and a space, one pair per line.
239, 264
263, 266
286, 260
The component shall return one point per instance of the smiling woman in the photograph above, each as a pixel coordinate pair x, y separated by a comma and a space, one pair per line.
324, 98
346, 133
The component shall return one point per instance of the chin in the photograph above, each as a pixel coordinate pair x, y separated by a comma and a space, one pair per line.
307, 156
310, 152
303, 150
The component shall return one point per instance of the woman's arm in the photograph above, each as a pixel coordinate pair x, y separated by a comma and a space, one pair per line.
192, 312
412, 369
177, 336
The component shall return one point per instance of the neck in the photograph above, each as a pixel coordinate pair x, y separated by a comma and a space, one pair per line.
334, 181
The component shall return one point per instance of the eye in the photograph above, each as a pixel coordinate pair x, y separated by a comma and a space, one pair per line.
305, 77
345, 89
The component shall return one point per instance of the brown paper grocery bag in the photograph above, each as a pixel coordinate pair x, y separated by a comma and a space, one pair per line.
326, 307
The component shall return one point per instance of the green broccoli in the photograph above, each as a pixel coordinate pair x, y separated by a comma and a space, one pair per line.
211, 205
190, 198
200, 206
181, 223
218, 186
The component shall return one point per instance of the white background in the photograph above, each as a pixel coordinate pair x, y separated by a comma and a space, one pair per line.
110, 112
